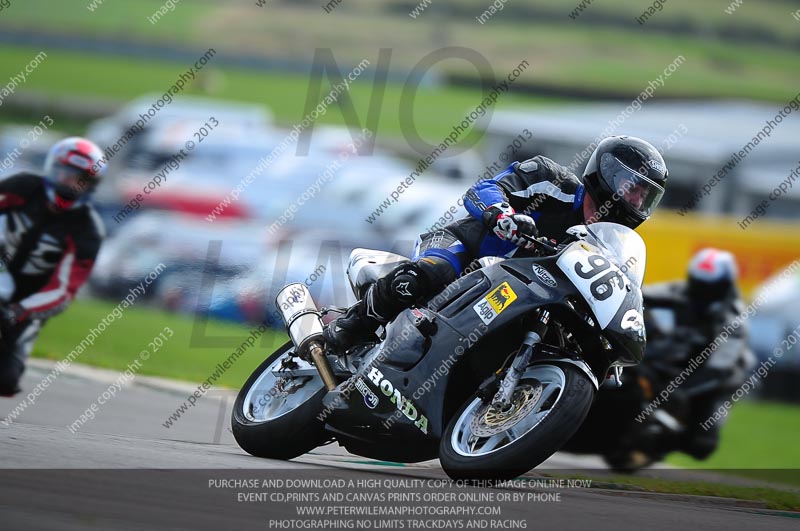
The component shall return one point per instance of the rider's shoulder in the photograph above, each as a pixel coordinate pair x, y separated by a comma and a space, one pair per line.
543, 168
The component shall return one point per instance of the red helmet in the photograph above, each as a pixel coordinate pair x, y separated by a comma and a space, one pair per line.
73, 169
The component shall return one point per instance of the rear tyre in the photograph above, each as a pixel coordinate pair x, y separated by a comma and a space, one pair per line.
275, 417
549, 405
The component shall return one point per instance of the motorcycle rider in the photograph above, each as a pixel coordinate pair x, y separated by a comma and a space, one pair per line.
49, 238
623, 182
683, 318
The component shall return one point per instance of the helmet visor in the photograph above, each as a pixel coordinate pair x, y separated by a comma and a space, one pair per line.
73, 176
639, 192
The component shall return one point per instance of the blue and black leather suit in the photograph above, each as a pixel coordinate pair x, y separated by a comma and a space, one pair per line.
548, 192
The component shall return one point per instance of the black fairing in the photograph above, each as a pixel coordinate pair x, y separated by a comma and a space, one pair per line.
443, 343
630, 341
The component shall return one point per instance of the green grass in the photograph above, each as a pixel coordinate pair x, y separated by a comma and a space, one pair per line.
130, 18
626, 61
562, 53
770, 16
112, 17
759, 440
774, 498
435, 110
122, 341
24, 117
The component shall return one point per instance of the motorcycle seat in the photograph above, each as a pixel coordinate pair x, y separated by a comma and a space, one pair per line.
368, 265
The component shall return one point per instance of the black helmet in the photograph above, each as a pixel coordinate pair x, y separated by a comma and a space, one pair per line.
625, 177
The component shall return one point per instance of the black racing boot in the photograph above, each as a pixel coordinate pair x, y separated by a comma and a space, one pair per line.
11, 393
356, 326
700, 445
405, 285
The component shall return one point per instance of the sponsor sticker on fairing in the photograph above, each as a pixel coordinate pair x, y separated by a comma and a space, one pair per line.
495, 303
544, 276
370, 398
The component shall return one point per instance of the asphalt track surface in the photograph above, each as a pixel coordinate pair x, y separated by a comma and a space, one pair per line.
125, 470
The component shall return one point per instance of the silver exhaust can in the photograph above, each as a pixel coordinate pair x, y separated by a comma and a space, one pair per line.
301, 316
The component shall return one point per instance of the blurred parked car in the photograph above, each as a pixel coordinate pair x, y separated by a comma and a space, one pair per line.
184, 244
775, 335
246, 119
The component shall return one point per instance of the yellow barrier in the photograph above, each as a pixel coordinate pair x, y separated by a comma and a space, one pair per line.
762, 249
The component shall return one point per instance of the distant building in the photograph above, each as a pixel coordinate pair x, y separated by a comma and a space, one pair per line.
698, 140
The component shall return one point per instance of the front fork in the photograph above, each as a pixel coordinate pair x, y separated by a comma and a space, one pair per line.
502, 399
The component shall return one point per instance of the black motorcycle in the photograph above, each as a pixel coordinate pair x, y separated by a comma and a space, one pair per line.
622, 430
492, 376
638, 423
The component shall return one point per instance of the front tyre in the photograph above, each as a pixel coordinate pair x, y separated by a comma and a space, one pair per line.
548, 406
275, 416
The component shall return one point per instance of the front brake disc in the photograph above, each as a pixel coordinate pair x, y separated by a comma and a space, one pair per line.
489, 420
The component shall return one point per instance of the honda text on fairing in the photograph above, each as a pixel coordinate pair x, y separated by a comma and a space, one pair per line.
492, 376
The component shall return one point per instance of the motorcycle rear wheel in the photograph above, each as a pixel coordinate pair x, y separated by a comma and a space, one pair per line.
275, 417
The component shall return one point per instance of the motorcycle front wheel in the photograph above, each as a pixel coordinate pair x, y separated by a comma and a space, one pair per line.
548, 406
276, 416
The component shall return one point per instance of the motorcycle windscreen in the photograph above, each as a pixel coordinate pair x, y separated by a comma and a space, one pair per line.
622, 246
606, 267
